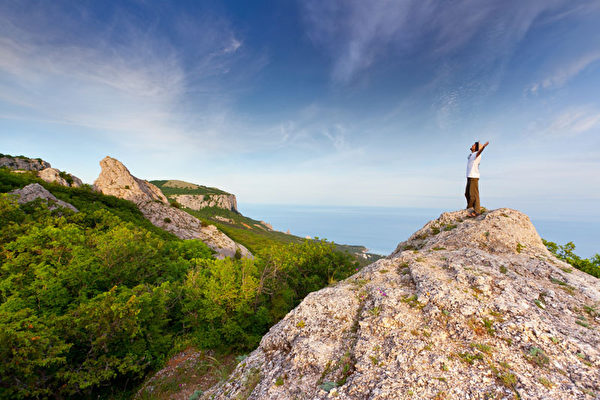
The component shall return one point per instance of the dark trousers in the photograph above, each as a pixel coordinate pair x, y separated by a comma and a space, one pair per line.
472, 194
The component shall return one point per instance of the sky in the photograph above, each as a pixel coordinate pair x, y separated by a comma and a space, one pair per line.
341, 102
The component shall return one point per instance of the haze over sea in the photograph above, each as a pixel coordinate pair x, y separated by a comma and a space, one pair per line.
380, 229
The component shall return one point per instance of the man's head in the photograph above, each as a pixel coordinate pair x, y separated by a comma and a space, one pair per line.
475, 147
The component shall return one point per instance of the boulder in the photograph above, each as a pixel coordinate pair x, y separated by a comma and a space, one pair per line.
54, 175
35, 191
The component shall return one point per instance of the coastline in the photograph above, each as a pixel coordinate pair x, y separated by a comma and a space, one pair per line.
380, 229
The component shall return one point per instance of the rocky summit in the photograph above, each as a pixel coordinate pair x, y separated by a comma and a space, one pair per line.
116, 180
464, 309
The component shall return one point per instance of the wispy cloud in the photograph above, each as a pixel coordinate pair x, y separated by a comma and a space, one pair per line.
357, 34
571, 122
564, 73
122, 80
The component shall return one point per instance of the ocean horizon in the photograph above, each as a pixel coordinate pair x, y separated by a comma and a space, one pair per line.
380, 229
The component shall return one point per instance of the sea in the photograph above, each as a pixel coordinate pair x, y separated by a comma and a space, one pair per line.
380, 229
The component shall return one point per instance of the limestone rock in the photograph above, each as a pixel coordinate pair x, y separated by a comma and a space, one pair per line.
454, 230
35, 191
186, 226
198, 202
23, 163
53, 175
463, 312
116, 180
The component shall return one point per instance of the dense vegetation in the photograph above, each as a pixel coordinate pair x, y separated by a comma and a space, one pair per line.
567, 253
92, 301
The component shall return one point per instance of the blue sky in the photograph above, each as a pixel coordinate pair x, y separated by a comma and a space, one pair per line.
314, 102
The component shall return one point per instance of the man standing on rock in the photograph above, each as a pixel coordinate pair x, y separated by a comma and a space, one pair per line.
472, 190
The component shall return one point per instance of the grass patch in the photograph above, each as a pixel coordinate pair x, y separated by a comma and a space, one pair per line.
545, 382
520, 247
583, 323
470, 358
412, 301
537, 357
484, 348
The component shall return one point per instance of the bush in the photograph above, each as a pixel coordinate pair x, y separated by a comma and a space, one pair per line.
567, 253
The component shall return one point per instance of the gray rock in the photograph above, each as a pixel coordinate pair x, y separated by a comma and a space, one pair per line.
25, 164
35, 191
471, 309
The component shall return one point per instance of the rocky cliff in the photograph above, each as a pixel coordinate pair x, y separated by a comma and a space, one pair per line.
42, 168
197, 202
464, 309
116, 180
23, 163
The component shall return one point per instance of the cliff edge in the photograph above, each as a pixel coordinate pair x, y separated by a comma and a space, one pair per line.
464, 309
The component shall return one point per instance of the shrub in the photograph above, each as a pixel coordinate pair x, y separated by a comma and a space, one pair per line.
567, 253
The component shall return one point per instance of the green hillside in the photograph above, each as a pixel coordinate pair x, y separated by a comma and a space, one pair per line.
173, 186
93, 302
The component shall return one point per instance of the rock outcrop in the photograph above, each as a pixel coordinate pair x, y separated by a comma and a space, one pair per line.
42, 168
54, 175
35, 191
465, 309
199, 201
116, 180
23, 163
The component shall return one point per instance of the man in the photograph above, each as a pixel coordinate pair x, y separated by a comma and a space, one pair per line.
472, 190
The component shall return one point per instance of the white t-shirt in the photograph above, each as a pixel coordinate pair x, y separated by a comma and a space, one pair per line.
473, 165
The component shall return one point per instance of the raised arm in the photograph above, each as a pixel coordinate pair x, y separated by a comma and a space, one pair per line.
481, 149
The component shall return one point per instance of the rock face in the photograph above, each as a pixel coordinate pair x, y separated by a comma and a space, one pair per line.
197, 202
470, 309
116, 180
35, 191
22, 163
53, 175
